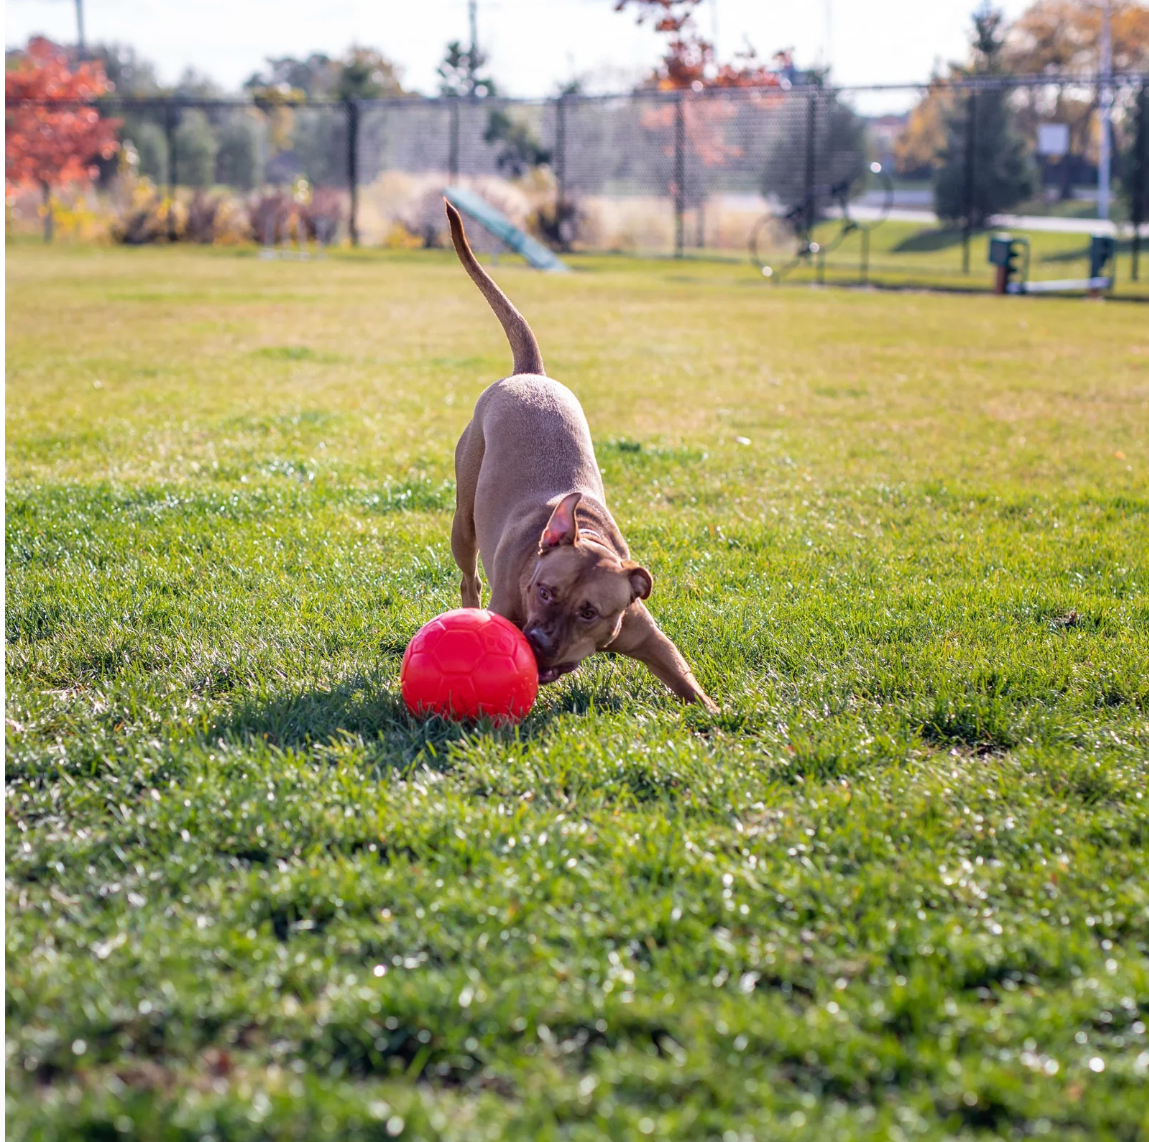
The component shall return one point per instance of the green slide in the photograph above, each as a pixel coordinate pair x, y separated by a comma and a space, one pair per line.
498, 224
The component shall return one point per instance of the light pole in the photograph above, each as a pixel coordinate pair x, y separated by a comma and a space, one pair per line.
473, 16
80, 28
1106, 93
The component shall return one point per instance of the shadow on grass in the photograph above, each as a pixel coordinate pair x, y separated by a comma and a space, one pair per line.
1081, 253
365, 707
928, 242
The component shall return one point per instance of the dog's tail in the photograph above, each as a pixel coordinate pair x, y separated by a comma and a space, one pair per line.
524, 347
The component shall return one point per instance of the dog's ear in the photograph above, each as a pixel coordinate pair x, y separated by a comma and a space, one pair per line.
641, 580
562, 527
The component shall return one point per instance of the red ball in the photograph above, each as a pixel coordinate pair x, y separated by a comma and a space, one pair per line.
470, 664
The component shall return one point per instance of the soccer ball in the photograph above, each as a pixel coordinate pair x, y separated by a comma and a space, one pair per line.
469, 664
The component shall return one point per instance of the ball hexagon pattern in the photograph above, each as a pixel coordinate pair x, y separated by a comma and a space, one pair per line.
469, 664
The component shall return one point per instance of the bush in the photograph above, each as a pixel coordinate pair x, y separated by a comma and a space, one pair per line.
239, 161
196, 149
271, 214
143, 220
321, 216
202, 212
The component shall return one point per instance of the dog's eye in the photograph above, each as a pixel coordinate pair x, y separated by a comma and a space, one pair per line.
588, 614
544, 594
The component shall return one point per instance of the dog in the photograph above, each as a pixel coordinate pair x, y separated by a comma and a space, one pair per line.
529, 499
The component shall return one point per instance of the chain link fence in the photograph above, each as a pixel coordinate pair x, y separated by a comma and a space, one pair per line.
811, 183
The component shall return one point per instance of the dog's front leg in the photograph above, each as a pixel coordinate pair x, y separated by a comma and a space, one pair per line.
640, 638
464, 545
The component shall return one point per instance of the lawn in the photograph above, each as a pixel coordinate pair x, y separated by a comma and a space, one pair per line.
910, 253
897, 889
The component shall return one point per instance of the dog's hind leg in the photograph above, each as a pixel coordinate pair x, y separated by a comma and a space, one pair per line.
464, 545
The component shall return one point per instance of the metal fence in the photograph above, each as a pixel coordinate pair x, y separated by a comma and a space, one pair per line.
798, 177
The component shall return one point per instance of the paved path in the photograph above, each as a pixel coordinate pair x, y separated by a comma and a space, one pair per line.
1043, 222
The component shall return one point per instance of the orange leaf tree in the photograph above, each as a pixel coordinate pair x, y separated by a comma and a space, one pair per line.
690, 64
50, 137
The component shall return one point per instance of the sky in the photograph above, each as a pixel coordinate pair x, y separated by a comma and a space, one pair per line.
534, 45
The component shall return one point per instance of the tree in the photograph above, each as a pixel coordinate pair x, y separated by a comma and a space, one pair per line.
366, 74
1003, 173
519, 148
690, 62
128, 74
151, 144
1063, 37
54, 145
237, 161
839, 156
923, 139
459, 73
196, 149
362, 73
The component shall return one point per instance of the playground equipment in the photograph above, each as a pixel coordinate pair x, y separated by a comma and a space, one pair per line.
498, 224
1010, 258
802, 218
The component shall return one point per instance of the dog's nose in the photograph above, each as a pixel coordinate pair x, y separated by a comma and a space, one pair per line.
541, 642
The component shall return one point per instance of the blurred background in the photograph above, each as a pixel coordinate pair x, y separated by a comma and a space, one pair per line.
713, 128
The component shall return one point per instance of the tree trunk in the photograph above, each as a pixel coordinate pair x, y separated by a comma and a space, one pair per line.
47, 191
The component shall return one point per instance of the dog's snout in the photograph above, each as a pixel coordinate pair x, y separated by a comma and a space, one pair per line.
541, 642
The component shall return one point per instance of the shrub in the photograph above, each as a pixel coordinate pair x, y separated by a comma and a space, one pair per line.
271, 213
321, 216
202, 213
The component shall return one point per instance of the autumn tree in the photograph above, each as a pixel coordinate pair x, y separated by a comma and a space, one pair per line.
1063, 38
690, 63
51, 138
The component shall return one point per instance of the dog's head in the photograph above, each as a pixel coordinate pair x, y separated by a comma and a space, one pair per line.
577, 595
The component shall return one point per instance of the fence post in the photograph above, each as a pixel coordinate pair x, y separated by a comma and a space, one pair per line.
679, 173
453, 140
352, 107
170, 117
1140, 191
561, 150
970, 135
808, 194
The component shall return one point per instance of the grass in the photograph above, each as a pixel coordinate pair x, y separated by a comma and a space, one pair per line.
896, 889
910, 254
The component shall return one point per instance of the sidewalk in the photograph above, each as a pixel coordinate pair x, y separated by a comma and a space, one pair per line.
1006, 221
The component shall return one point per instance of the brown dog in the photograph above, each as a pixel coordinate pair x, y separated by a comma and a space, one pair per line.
529, 499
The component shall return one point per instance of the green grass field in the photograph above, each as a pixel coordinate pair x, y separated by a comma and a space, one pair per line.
908, 254
897, 889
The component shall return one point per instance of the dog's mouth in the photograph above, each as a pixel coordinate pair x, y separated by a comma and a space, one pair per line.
555, 672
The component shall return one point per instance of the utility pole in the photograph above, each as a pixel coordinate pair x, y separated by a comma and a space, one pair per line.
80, 48
1106, 80
473, 57
829, 61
